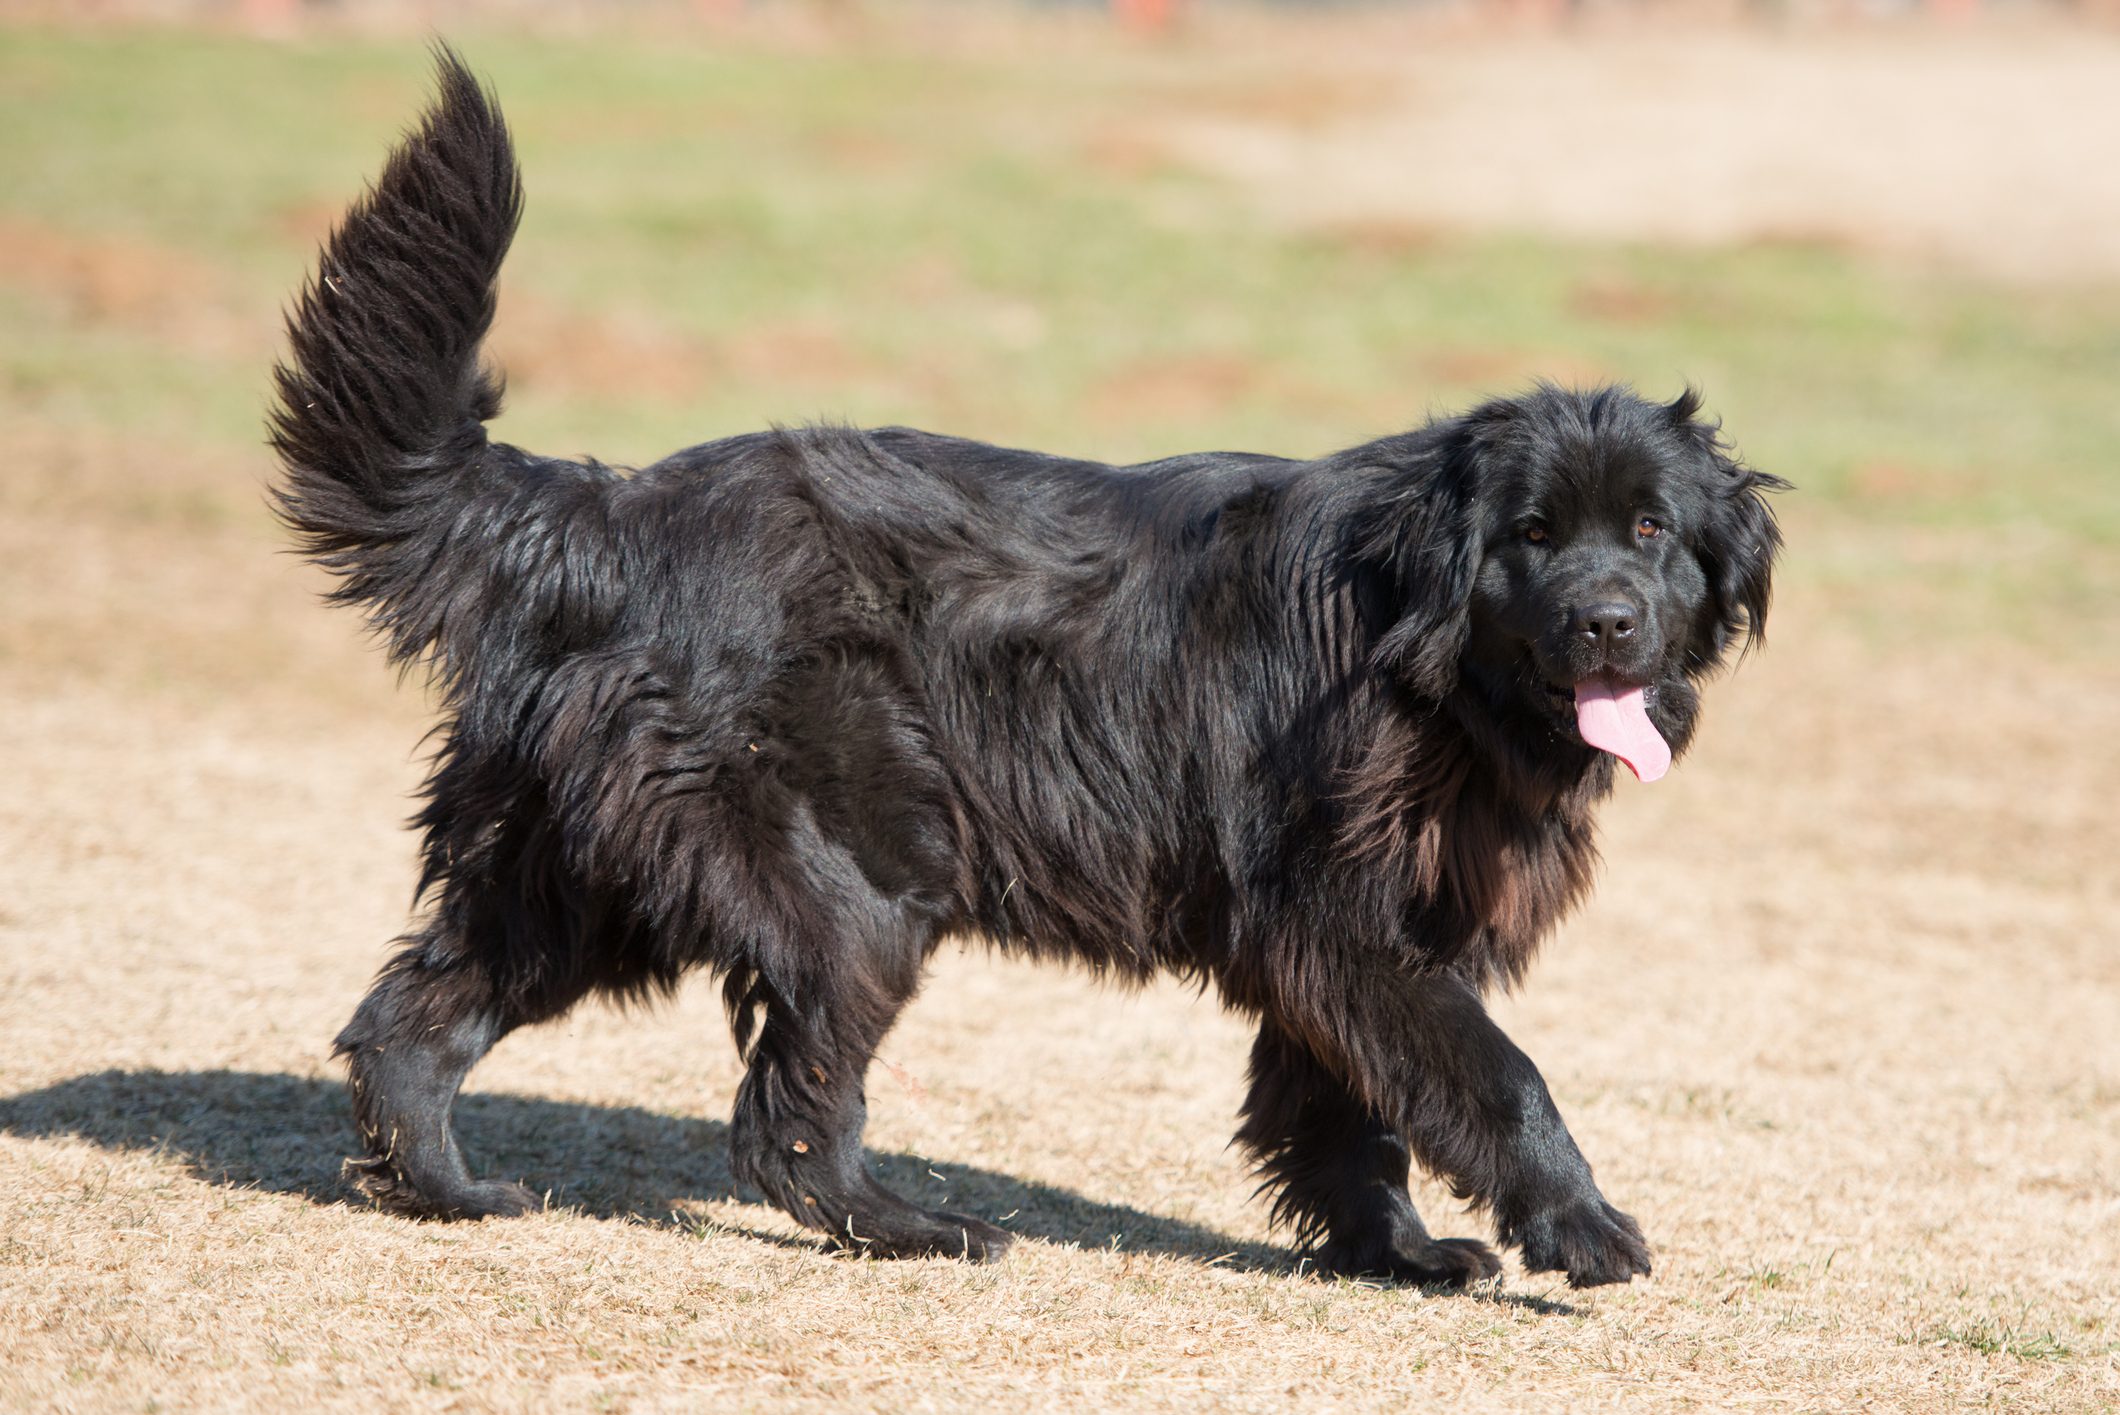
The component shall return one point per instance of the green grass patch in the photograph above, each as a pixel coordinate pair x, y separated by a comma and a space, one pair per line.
1997, 1338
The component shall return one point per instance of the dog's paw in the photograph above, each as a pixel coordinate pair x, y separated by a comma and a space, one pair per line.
382, 1184
1429, 1262
974, 1240
1588, 1239
919, 1234
495, 1198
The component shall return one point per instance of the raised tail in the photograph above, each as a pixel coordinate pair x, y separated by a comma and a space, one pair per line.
383, 399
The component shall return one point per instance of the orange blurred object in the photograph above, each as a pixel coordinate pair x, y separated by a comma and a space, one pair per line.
1146, 15
271, 15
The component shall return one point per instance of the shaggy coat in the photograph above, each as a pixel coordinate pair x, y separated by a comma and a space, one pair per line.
796, 706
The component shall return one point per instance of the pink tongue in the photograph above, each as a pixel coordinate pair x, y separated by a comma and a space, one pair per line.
1614, 719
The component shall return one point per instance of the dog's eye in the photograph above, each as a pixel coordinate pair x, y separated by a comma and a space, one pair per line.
1535, 533
1648, 528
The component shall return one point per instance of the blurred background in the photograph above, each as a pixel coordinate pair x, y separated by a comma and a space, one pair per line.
1842, 1026
1884, 237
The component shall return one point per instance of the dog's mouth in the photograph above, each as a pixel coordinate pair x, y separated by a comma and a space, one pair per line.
1612, 715
1562, 695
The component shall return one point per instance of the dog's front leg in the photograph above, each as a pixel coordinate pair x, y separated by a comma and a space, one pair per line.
1421, 1050
1337, 1171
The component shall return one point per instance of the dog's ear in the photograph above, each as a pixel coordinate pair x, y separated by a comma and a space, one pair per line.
1425, 539
1741, 539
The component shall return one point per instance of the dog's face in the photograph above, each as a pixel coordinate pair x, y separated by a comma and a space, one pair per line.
1608, 549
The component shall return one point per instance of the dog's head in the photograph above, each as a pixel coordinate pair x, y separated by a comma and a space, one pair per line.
1580, 561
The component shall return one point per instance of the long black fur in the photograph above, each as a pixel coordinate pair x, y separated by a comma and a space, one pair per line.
795, 706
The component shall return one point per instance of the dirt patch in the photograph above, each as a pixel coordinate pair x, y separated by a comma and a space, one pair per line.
1611, 300
1490, 367
797, 354
1901, 483
1179, 388
548, 350
104, 279
1990, 150
307, 223
1196, 387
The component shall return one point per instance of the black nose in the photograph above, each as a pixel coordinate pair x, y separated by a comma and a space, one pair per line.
1604, 624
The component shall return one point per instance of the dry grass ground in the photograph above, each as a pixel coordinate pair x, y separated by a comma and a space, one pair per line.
1841, 1027
1872, 143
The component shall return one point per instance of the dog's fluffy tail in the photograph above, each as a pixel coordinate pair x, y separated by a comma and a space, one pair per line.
383, 399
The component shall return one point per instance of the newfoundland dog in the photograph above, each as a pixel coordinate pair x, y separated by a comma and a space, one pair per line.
796, 706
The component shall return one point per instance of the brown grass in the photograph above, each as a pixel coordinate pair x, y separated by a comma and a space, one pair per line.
1841, 1027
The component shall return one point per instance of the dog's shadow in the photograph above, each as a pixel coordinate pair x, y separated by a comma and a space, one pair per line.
284, 1134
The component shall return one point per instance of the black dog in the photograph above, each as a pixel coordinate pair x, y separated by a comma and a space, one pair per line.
797, 706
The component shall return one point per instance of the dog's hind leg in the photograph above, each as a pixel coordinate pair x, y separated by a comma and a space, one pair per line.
430, 1016
1340, 1175
800, 1111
